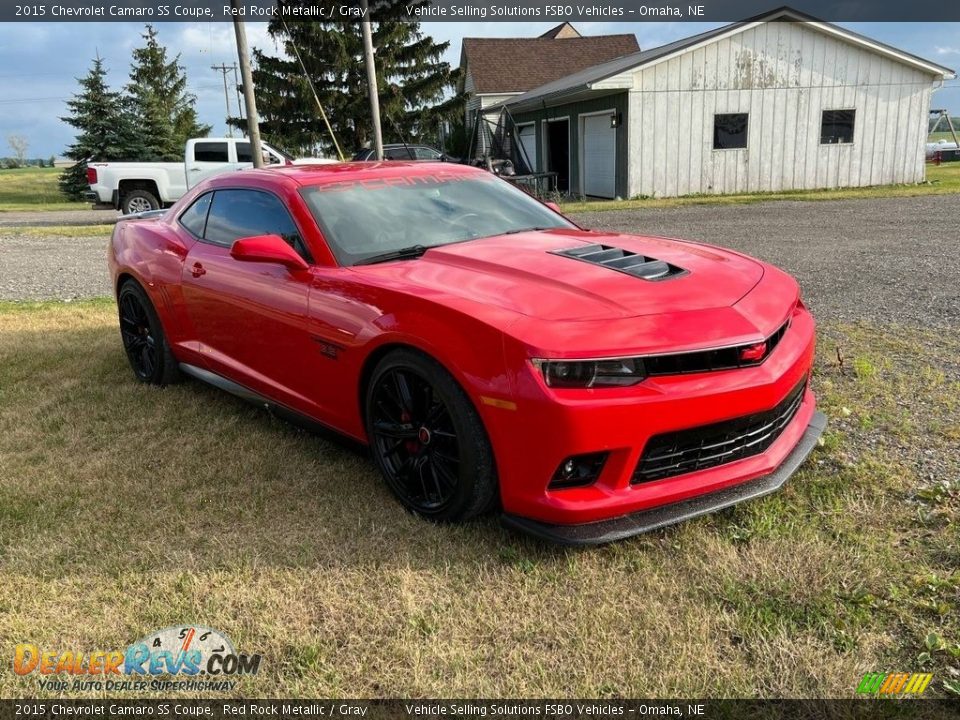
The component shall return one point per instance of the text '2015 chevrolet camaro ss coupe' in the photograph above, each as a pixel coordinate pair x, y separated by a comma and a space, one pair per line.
490, 352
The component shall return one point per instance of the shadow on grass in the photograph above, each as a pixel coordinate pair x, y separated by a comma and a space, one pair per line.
191, 475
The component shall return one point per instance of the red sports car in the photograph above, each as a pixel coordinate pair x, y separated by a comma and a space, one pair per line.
489, 351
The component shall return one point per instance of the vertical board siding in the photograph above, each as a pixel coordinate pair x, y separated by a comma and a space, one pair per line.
784, 75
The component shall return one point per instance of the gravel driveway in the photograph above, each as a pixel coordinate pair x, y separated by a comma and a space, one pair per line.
890, 260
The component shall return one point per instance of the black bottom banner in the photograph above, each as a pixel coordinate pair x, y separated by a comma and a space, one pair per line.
865, 709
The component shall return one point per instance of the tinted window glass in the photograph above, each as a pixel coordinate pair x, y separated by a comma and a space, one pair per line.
361, 219
195, 217
243, 153
424, 153
399, 153
238, 214
836, 126
729, 131
210, 152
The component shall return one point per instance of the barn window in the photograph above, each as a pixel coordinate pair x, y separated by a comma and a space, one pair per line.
837, 126
729, 131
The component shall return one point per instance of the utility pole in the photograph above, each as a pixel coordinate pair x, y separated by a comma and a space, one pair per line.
243, 53
236, 84
372, 81
224, 68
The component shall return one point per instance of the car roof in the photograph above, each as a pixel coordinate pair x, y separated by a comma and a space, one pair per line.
306, 175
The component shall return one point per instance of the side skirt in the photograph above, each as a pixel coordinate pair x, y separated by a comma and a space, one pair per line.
274, 408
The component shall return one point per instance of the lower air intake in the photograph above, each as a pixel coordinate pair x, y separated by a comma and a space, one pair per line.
676, 453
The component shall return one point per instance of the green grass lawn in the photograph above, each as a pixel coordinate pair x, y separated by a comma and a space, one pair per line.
33, 189
36, 189
126, 508
58, 231
943, 135
942, 180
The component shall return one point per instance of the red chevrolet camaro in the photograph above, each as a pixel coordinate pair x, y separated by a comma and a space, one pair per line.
489, 351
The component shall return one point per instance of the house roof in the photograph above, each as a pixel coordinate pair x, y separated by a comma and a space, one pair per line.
563, 30
510, 65
586, 78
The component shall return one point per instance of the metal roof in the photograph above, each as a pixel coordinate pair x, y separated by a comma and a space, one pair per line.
583, 80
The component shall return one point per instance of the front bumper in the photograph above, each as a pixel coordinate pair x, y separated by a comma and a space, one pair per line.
619, 528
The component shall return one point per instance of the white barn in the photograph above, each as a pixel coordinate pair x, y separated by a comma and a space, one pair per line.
778, 102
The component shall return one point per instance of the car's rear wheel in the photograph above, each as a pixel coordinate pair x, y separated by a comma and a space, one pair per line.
143, 339
428, 440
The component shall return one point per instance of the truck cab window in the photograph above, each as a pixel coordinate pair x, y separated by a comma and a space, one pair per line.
210, 152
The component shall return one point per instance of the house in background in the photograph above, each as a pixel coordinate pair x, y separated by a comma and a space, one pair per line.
778, 102
495, 69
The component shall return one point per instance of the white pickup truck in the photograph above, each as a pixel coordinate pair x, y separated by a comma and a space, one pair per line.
133, 187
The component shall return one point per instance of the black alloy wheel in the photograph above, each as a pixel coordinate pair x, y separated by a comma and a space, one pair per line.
428, 440
143, 339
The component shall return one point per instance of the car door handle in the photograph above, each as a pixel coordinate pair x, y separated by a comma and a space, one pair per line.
197, 270
194, 169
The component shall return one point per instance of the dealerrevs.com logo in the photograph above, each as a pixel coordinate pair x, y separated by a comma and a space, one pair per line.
204, 658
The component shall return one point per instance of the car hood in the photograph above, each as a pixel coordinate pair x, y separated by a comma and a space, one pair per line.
522, 273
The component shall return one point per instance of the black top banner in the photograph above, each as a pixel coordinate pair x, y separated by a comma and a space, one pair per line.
866, 709
155, 11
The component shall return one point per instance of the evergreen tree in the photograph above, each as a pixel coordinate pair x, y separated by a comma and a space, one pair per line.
416, 89
158, 96
105, 130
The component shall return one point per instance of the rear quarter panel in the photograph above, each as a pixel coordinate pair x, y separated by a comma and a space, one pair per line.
152, 254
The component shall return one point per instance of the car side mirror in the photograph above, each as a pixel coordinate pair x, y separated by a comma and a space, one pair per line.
553, 206
267, 249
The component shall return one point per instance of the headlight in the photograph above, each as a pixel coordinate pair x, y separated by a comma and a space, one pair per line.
618, 372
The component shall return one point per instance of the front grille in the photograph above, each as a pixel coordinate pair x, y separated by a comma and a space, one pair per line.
728, 358
676, 453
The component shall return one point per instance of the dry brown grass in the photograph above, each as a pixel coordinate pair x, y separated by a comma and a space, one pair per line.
124, 508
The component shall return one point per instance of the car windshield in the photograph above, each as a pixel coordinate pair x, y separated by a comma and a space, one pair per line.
365, 219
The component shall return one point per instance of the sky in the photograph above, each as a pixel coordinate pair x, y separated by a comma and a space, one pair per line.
40, 61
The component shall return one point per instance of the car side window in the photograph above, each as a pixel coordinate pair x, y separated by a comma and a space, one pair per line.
210, 152
424, 153
236, 214
244, 153
194, 218
399, 153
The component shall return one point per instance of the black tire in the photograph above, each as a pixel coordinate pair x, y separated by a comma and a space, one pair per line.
136, 201
143, 338
428, 440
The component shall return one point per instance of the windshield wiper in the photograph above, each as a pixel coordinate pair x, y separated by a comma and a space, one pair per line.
406, 253
526, 229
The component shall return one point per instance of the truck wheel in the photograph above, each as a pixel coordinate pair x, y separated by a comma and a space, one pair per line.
139, 201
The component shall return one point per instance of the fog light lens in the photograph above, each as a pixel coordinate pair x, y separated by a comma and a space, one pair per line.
578, 470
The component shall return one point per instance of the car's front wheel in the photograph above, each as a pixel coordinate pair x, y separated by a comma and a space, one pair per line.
428, 440
143, 339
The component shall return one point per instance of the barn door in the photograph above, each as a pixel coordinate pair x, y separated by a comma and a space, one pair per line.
527, 135
599, 156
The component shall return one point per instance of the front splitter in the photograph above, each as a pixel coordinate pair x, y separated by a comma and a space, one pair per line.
619, 528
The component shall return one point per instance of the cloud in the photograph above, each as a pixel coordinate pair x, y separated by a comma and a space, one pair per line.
947, 50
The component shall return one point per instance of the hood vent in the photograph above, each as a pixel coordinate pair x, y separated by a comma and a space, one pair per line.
631, 263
